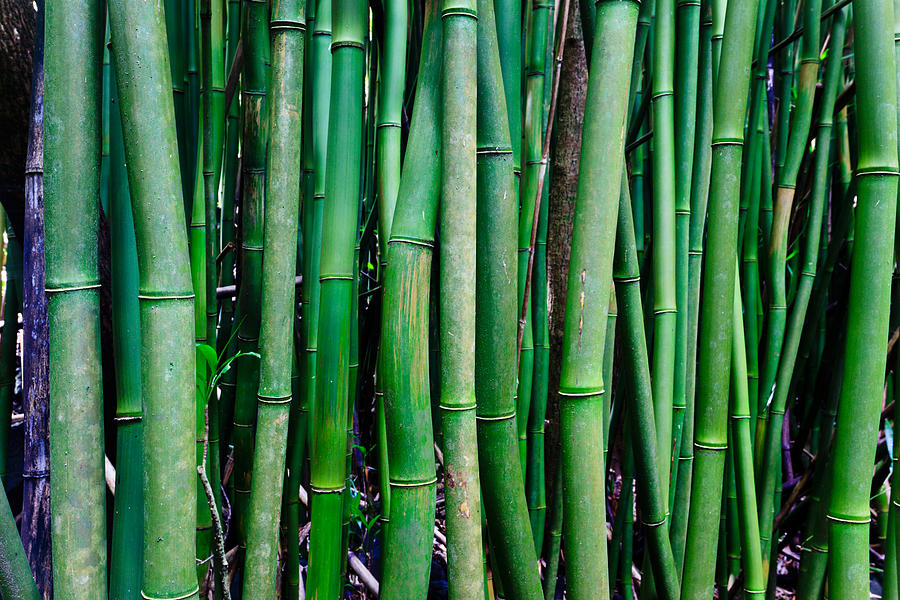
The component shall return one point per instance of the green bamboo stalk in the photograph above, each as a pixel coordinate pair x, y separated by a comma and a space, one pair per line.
510, 38
535, 481
772, 446
801, 117
405, 316
501, 461
534, 86
166, 301
687, 36
298, 428
16, 582
287, 28
72, 129
320, 77
665, 313
587, 300
337, 304
869, 301
255, 40
641, 422
388, 110
128, 508
710, 435
742, 447
700, 168
462, 487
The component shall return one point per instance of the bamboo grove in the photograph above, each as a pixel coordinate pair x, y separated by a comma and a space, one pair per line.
460, 299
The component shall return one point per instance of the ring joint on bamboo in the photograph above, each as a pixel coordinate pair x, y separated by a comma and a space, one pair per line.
326, 32
335, 278
285, 24
664, 311
727, 142
347, 44
877, 171
506, 417
317, 490
166, 297
459, 12
413, 484
585, 394
457, 408
251, 248
72, 288
388, 124
252, 93
627, 279
145, 596
413, 241
717, 448
848, 520
264, 399
493, 150
128, 419
653, 524
661, 94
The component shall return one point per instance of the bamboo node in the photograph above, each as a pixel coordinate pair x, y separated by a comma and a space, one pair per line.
264, 399
459, 11
457, 408
166, 297
128, 419
716, 448
346, 44
318, 490
627, 279
661, 94
287, 25
849, 520
413, 484
505, 417
194, 591
72, 288
583, 394
654, 523
877, 171
335, 278
388, 124
409, 240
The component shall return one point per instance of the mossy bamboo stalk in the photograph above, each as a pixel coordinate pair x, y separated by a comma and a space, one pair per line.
72, 130
255, 40
587, 300
554, 537
510, 39
405, 316
166, 301
710, 434
128, 508
337, 304
287, 28
503, 494
457, 298
869, 300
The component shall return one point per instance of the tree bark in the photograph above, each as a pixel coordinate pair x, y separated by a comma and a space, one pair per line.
35, 357
564, 162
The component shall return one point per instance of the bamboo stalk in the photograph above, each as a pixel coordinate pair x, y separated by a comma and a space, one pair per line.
869, 300
166, 301
74, 38
710, 435
587, 299
338, 269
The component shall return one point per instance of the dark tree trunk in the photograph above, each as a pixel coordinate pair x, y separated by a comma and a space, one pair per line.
35, 366
16, 44
563, 182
